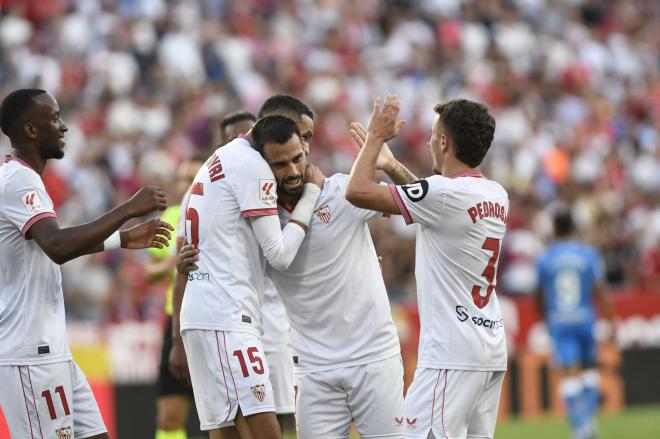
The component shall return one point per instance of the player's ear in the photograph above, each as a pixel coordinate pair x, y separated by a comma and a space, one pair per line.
30, 130
444, 143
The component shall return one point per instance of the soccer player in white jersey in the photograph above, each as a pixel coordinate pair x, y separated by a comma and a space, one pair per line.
231, 219
461, 219
43, 392
174, 394
346, 350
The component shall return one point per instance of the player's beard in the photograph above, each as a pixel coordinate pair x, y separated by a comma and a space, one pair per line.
49, 149
291, 191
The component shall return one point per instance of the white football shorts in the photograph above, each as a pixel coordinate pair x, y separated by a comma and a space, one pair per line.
280, 363
49, 401
456, 404
370, 396
227, 370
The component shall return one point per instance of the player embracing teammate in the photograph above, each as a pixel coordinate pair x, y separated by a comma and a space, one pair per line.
342, 333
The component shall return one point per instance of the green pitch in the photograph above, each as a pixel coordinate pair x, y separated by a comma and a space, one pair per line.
634, 423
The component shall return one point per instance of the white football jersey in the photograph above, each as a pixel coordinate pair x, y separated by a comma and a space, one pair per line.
32, 327
333, 291
461, 223
224, 294
275, 320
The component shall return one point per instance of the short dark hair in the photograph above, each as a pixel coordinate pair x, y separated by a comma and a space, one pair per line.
273, 129
563, 223
285, 104
470, 127
14, 106
235, 117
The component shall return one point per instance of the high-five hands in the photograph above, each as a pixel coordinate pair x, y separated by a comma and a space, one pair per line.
383, 123
385, 160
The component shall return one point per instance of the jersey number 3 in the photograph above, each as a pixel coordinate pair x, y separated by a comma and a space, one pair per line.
481, 299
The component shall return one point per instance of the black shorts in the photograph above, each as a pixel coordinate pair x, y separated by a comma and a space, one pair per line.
167, 384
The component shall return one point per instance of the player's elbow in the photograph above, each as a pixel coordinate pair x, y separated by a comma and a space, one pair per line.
279, 263
56, 249
57, 256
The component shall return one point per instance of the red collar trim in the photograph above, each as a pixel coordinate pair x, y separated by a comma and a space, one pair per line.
286, 208
470, 173
9, 158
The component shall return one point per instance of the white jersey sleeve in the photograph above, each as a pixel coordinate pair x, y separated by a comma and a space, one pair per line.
26, 200
255, 189
417, 203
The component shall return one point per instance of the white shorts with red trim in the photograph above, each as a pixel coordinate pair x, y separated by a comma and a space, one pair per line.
49, 401
227, 370
453, 404
368, 396
280, 363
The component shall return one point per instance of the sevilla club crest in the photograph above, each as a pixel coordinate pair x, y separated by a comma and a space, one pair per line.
64, 433
323, 213
259, 392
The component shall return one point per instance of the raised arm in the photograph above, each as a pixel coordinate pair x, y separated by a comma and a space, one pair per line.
386, 161
64, 244
362, 190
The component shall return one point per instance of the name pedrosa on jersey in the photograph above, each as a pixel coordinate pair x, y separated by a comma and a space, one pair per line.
487, 209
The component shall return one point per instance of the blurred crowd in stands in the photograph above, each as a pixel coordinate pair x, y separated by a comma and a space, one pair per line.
574, 86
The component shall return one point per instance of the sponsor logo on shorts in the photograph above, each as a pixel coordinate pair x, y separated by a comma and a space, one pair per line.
64, 433
463, 316
411, 422
246, 319
323, 213
259, 392
398, 421
45, 349
266, 190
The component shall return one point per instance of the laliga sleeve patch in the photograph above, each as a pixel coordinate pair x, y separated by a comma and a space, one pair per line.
267, 190
32, 202
416, 191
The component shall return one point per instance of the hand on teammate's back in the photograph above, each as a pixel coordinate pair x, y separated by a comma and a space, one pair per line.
154, 233
146, 200
314, 175
178, 362
385, 159
185, 260
383, 123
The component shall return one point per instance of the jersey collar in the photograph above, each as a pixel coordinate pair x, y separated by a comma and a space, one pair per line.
9, 158
469, 173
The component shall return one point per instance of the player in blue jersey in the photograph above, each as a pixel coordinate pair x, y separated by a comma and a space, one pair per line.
570, 276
